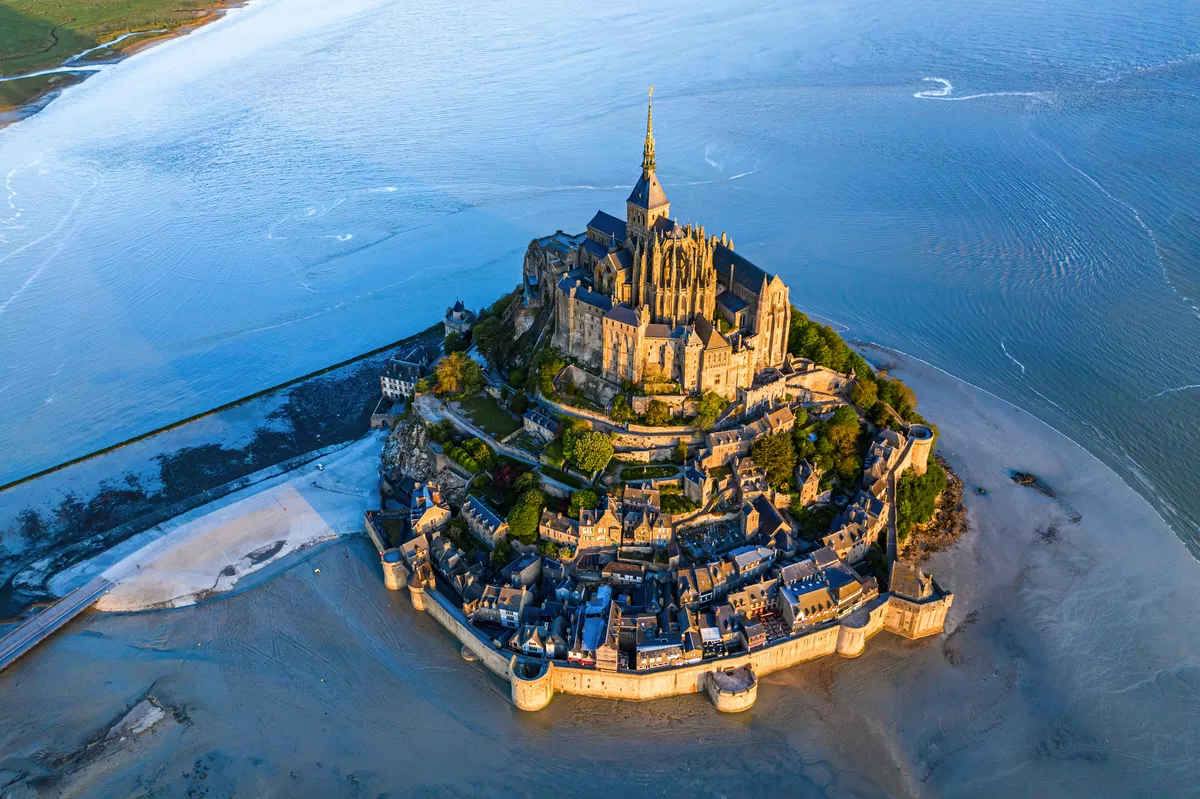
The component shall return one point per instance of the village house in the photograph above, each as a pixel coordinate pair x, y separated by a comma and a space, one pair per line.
484, 522
599, 528
751, 479
540, 424
808, 483
501, 605
559, 529
428, 509
697, 484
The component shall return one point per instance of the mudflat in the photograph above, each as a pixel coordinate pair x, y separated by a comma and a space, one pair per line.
1067, 662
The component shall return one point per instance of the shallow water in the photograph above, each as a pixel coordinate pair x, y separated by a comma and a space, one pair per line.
1006, 193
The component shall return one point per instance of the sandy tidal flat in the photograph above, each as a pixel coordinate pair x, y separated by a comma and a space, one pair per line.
1068, 666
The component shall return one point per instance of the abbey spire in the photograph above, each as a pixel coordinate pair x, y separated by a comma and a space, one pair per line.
648, 147
647, 202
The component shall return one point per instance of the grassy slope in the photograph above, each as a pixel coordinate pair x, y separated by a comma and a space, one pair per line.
41, 34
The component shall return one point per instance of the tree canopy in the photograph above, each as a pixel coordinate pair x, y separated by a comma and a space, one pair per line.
709, 409
494, 337
455, 342
548, 363
777, 456
582, 500
916, 497
456, 373
657, 413
592, 451
524, 516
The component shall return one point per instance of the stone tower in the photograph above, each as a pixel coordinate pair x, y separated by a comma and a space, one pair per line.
647, 202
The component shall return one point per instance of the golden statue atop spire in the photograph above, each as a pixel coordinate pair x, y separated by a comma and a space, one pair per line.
648, 150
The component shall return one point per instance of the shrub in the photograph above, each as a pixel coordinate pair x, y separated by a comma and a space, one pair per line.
657, 413
519, 403
709, 409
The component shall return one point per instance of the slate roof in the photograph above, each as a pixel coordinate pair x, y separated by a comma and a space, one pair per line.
731, 302
399, 370
609, 225
663, 331
601, 301
648, 193
744, 272
622, 313
595, 248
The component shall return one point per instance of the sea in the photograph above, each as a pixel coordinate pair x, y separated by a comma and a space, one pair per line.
1006, 190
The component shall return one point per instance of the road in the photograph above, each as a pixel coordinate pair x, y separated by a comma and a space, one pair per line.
35, 630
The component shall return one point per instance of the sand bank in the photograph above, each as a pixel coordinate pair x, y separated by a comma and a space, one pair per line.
1069, 666
208, 551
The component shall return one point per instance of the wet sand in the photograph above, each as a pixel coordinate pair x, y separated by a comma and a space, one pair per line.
1069, 667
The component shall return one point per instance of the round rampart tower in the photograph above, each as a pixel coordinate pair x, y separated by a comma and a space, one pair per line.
416, 592
922, 446
395, 576
532, 683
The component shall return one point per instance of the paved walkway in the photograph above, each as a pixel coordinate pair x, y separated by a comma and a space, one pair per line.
35, 630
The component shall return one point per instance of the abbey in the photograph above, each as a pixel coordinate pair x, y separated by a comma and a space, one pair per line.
650, 301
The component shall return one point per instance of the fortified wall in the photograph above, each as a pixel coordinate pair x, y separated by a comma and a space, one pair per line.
731, 682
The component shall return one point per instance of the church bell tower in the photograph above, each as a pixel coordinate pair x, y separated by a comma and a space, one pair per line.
647, 202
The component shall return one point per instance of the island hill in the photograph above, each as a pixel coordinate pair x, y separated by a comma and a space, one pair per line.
644, 473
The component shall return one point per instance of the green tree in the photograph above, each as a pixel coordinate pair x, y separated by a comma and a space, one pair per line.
494, 337
582, 500
547, 365
657, 413
777, 456
709, 409
455, 342
916, 497
526, 481
681, 452
620, 411
524, 516
592, 451
456, 373
519, 403
864, 394
502, 554
571, 433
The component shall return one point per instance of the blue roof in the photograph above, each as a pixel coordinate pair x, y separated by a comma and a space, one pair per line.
595, 248
744, 272
609, 225
541, 419
480, 508
624, 314
601, 301
731, 302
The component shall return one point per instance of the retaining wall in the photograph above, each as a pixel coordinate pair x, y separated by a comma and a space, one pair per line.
533, 691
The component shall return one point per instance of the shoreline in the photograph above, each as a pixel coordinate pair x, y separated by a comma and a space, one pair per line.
12, 113
862, 347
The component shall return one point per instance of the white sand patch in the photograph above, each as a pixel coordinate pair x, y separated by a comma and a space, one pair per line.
209, 550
